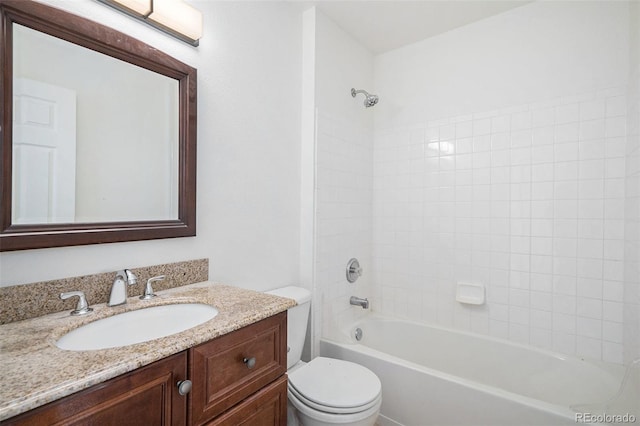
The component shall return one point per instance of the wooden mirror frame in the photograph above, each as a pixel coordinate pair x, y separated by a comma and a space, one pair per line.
108, 41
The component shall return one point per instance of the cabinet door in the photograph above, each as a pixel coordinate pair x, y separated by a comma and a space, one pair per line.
265, 408
147, 396
227, 370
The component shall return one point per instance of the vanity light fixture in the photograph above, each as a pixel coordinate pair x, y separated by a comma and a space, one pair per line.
174, 17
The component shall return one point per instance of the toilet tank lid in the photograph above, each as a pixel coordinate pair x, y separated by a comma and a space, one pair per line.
299, 294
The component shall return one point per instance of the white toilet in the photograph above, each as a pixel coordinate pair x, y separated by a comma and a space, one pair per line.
325, 391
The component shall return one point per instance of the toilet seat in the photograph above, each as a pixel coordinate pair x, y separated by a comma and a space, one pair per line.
317, 417
330, 410
335, 386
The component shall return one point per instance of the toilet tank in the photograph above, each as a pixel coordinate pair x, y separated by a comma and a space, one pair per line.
297, 318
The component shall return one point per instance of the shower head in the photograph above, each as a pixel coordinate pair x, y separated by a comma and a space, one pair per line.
369, 100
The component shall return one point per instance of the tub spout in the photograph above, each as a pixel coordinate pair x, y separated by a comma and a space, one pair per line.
359, 302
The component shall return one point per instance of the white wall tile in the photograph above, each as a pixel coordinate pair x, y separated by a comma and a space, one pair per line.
482, 126
566, 151
615, 168
499, 140
542, 135
564, 133
590, 287
464, 129
567, 113
592, 109
589, 347
615, 126
616, 106
542, 117
529, 201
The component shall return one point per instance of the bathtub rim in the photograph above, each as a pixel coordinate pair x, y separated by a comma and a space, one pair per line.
616, 370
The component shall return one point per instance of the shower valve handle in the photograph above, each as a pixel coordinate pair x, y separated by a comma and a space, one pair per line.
354, 271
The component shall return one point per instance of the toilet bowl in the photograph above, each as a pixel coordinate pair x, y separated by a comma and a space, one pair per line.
330, 391
325, 391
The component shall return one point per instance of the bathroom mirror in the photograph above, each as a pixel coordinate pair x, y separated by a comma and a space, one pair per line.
98, 136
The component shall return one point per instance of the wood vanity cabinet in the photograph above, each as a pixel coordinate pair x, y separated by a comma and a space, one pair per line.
237, 379
146, 396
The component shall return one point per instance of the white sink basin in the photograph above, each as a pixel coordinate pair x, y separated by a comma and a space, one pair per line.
138, 326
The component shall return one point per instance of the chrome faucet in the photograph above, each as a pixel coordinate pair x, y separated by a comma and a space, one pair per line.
356, 301
119, 289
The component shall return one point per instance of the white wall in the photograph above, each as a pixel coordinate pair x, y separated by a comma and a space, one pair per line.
500, 158
534, 52
343, 181
249, 83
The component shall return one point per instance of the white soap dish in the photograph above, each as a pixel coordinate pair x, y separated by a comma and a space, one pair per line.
470, 293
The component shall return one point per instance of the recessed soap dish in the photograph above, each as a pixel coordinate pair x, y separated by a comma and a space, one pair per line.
470, 293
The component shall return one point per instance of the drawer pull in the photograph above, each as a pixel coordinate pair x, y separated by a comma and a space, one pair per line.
250, 362
184, 387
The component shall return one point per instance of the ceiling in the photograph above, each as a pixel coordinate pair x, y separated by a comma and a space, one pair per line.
386, 25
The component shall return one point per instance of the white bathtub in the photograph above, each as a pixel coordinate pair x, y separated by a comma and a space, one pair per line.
436, 376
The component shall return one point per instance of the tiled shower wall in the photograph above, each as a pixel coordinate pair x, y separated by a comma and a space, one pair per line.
529, 201
344, 169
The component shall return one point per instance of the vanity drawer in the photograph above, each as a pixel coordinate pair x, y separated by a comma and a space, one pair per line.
266, 408
230, 368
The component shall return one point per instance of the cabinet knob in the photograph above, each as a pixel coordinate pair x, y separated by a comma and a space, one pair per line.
184, 387
250, 362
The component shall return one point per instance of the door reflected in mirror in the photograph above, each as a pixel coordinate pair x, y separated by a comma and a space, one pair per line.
95, 139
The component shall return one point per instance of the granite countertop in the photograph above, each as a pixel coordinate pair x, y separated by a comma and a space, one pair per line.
36, 372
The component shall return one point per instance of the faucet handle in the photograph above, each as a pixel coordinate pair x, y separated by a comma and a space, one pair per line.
148, 290
82, 307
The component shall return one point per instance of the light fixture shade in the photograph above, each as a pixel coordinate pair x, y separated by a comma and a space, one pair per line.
174, 17
139, 7
177, 16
